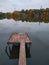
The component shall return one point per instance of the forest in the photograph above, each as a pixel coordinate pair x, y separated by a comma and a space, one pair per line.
30, 15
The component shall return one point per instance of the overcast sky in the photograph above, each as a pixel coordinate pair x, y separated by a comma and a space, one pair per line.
11, 5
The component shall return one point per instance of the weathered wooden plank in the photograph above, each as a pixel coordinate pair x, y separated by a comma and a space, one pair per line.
16, 38
22, 54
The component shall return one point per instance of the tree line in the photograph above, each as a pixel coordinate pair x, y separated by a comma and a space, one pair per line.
28, 15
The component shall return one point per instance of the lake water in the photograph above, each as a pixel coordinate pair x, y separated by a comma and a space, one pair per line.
38, 34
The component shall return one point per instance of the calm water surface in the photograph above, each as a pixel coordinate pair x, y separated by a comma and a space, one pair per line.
38, 33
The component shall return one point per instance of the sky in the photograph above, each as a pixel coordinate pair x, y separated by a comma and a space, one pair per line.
11, 5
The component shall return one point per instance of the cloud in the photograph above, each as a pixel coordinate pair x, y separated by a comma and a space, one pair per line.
11, 5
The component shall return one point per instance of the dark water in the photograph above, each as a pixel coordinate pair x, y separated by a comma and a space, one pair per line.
39, 35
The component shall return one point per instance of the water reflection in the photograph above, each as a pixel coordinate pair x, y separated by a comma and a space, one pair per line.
28, 55
39, 34
28, 20
13, 52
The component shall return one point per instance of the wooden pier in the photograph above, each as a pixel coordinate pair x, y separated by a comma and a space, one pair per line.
22, 39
